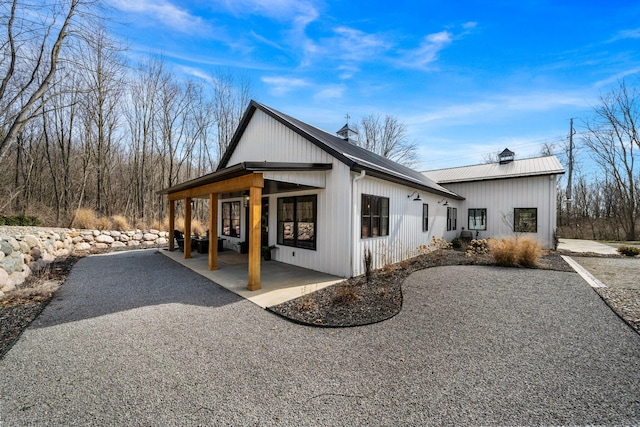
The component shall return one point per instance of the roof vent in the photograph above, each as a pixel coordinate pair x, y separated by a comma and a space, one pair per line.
506, 156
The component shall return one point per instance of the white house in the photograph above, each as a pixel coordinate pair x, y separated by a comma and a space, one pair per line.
323, 201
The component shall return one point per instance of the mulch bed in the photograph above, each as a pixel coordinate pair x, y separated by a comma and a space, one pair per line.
17, 312
357, 302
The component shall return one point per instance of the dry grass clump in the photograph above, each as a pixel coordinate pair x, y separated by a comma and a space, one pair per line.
197, 228
161, 225
103, 223
85, 218
347, 293
515, 251
120, 223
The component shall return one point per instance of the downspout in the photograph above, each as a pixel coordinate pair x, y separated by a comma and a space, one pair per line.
354, 217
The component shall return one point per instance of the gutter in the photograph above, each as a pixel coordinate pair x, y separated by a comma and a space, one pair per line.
354, 217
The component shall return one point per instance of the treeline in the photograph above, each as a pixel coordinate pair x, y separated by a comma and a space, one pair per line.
105, 134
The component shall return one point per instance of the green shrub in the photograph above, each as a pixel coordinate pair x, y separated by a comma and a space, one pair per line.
456, 243
19, 220
629, 250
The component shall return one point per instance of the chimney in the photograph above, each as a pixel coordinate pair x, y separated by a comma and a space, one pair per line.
506, 156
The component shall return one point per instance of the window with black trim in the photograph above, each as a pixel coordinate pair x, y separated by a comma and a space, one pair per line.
374, 215
297, 221
425, 217
525, 220
231, 219
452, 219
478, 219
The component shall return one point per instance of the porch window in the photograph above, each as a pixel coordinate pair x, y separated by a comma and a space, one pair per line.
374, 216
297, 218
231, 219
525, 220
425, 217
452, 219
478, 219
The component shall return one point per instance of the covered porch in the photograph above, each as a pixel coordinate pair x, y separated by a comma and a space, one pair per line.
279, 282
251, 180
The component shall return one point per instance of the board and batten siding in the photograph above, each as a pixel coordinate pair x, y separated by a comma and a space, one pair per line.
266, 139
500, 197
405, 224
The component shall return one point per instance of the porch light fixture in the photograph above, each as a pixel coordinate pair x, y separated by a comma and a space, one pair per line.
246, 201
444, 202
417, 199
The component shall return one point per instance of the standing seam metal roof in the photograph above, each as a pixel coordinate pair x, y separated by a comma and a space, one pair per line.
357, 158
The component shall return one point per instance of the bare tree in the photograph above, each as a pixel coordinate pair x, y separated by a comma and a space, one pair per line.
612, 137
387, 137
33, 39
231, 95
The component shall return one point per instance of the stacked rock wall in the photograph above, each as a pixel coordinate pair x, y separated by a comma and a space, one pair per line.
24, 250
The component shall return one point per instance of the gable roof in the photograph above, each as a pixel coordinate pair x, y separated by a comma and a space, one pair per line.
356, 158
538, 166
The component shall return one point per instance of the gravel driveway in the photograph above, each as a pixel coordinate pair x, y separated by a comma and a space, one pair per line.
134, 339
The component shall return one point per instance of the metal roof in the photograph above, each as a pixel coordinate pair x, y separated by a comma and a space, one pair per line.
548, 165
357, 158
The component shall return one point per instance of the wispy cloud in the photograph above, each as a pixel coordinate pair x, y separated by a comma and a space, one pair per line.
626, 34
330, 92
428, 50
356, 45
501, 105
279, 86
164, 12
617, 77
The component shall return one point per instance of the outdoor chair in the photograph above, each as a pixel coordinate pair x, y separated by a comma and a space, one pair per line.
179, 236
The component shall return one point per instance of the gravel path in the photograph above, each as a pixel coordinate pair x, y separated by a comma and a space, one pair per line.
148, 342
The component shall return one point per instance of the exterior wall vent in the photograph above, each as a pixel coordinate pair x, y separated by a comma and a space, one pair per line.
506, 156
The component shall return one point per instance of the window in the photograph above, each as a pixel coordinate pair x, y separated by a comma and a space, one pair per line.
477, 219
231, 219
452, 219
297, 221
425, 217
374, 216
525, 220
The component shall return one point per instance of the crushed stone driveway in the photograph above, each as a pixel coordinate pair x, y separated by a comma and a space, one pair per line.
135, 339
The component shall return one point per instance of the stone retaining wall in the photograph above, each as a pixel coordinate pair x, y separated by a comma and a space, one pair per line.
24, 250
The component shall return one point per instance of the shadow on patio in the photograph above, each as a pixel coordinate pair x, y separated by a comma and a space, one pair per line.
280, 282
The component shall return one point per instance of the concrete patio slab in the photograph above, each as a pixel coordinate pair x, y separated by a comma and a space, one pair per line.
280, 282
585, 246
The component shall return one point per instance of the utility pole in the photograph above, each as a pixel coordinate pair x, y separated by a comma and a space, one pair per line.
569, 186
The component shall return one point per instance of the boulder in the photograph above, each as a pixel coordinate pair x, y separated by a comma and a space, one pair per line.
115, 234
1, 255
14, 243
154, 231
103, 238
149, 243
36, 253
118, 244
147, 237
5, 247
101, 245
58, 244
24, 247
96, 233
83, 246
137, 236
4, 278
88, 238
78, 239
9, 286
1, 295
124, 238
31, 240
133, 243
48, 258
162, 241
8, 264
15, 279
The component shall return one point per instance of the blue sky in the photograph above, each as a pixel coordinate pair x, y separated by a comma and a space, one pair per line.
467, 78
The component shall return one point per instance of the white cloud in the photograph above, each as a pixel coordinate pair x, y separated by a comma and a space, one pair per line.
331, 92
356, 45
280, 86
163, 11
626, 34
428, 51
616, 77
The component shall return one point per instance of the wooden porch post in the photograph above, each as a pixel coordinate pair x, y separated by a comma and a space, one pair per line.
213, 231
172, 220
187, 227
255, 208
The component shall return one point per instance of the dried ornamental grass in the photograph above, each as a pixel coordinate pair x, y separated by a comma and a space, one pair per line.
85, 218
120, 223
515, 251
